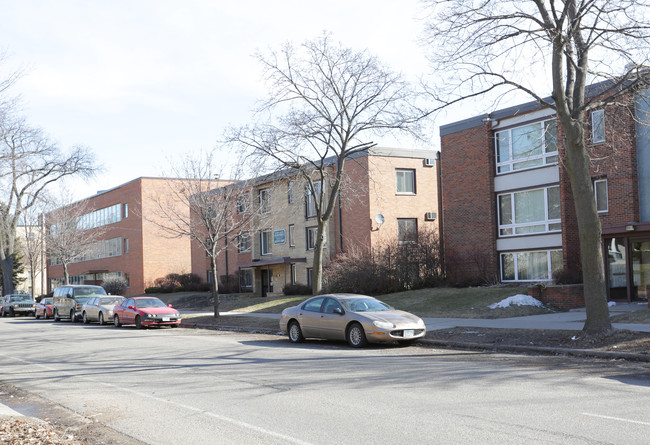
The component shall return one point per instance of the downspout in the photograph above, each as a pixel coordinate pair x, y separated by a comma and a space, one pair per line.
340, 224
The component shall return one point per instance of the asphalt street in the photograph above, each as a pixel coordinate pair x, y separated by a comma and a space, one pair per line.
171, 386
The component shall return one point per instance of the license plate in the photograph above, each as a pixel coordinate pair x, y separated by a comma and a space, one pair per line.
408, 333
165, 318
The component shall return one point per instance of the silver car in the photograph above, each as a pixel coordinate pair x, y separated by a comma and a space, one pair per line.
358, 319
100, 309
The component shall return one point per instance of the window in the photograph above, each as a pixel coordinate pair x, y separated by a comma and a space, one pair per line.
126, 245
529, 146
266, 238
126, 211
246, 279
127, 277
312, 232
530, 211
244, 242
405, 181
243, 202
265, 201
292, 273
292, 242
290, 193
407, 230
309, 277
314, 304
530, 266
598, 126
210, 277
312, 198
600, 191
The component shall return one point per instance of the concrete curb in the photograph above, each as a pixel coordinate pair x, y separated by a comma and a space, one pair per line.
608, 355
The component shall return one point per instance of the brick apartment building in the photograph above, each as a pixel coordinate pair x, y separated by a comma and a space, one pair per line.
399, 184
508, 211
132, 245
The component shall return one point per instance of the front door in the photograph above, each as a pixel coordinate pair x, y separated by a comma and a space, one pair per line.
265, 282
640, 262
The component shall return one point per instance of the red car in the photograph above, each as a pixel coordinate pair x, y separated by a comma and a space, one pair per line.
145, 311
43, 309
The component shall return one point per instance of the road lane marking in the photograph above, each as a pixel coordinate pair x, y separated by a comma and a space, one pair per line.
616, 418
221, 417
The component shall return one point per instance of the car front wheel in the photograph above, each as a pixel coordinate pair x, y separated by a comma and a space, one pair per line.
85, 318
36, 316
101, 318
357, 336
295, 333
138, 322
116, 321
73, 319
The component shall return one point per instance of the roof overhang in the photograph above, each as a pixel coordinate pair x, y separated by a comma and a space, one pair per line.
272, 261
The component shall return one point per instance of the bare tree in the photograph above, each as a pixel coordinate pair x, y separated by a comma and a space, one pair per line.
70, 235
29, 164
203, 206
499, 46
325, 103
33, 243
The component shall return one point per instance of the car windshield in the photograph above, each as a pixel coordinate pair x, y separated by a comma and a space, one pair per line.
365, 305
111, 300
90, 292
21, 298
149, 302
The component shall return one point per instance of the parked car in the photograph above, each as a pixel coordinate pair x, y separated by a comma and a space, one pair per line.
67, 300
17, 304
43, 308
145, 311
358, 319
100, 309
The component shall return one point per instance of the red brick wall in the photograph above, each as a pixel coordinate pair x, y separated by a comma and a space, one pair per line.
468, 205
565, 297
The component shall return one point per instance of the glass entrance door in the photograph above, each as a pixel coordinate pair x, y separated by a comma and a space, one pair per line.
640, 259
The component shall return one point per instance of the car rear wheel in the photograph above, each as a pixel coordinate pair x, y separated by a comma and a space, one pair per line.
116, 321
138, 322
101, 318
295, 333
36, 315
357, 336
56, 315
85, 318
73, 319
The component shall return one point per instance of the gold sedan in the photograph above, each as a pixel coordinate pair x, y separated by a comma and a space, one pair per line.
357, 319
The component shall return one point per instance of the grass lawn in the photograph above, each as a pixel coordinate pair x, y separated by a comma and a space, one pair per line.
433, 302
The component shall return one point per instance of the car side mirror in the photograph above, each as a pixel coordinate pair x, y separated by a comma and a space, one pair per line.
338, 310
131, 307
169, 305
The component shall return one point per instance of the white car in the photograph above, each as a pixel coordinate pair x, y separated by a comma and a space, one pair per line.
100, 309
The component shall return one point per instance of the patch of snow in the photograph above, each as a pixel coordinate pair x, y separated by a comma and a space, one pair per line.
611, 303
518, 300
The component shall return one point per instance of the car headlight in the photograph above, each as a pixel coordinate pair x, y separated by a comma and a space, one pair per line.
421, 322
383, 324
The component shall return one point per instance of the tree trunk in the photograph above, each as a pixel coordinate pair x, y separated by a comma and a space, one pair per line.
66, 274
7, 275
317, 270
589, 229
214, 289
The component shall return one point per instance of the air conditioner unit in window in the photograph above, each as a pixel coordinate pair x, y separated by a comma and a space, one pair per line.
429, 162
430, 216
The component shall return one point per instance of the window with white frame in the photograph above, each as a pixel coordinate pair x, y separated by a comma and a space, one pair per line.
528, 146
598, 126
292, 273
600, 192
265, 201
407, 230
125, 210
309, 277
244, 242
311, 232
243, 202
292, 240
126, 245
310, 202
530, 266
530, 211
290, 192
405, 181
266, 240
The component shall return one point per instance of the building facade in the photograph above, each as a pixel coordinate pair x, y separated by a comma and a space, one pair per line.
388, 194
507, 203
131, 244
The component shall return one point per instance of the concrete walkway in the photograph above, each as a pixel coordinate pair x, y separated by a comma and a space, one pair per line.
573, 320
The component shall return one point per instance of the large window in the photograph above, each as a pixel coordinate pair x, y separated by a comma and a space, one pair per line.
246, 279
266, 239
292, 240
290, 192
312, 232
598, 126
530, 266
407, 230
311, 199
244, 242
265, 201
405, 180
243, 202
530, 211
600, 191
95, 251
529, 146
